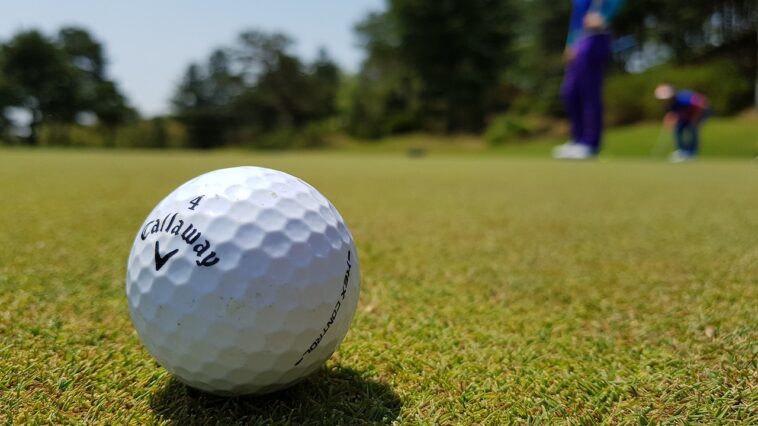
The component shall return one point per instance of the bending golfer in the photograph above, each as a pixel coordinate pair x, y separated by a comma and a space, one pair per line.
587, 50
685, 112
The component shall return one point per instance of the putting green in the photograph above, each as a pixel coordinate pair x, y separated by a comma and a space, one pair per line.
495, 290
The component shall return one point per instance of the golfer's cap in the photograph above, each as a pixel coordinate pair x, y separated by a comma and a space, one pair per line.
664, 92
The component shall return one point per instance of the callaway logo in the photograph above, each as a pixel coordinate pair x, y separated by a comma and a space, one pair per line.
161, 260
187, 233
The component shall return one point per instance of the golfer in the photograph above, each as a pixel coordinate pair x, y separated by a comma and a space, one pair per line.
685, 113
587, 51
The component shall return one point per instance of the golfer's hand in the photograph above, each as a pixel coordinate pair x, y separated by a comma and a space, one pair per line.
594, 21
669, 120
569, 54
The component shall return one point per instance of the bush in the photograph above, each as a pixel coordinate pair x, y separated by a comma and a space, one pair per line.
629, 97
153, 133
69, 135
313, 135
505, 128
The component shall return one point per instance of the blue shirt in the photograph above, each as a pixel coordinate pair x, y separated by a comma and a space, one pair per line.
688, 104
580, 8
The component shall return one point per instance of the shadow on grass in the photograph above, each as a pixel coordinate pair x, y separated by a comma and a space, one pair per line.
331, 396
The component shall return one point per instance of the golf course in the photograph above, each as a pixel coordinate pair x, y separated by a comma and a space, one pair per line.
379, 212
496, 289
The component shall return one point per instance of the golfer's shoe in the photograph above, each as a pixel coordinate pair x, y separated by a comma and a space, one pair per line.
680, 156
573, 151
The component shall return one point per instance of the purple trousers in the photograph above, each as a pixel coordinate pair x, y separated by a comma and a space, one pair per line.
582, 90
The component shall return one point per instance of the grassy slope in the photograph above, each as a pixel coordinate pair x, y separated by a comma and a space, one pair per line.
494, 290
721, 137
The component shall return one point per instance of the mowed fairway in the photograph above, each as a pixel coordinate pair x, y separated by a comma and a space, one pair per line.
494, 291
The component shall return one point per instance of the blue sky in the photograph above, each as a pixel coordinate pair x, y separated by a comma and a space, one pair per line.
149, 43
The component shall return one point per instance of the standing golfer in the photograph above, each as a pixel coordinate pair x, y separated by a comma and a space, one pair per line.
685, 112
587, 50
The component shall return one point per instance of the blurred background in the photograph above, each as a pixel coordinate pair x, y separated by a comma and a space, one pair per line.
289, 74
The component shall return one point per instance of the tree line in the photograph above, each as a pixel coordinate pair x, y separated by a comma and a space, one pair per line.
442, 66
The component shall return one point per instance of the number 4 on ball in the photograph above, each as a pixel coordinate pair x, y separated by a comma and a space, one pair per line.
195, 202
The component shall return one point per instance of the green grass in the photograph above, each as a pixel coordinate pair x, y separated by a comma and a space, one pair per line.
494, 291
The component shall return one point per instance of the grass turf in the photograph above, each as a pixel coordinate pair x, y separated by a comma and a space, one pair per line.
494, 291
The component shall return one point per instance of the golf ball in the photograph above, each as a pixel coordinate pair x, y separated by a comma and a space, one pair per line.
242, 281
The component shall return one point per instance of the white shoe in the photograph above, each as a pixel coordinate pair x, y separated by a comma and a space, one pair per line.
680, 156
573, 151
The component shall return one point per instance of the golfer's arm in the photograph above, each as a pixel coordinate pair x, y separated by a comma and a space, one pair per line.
670, 118
700, 105
576, 25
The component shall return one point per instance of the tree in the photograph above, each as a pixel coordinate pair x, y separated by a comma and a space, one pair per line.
384, 97
281, 87
284, 95
537, 70
201, 104
84, 52
97, 93
56, 80
435, 65
39, 80
6, 98
110, 106
253, 90
458, 49
325, 76
689, 28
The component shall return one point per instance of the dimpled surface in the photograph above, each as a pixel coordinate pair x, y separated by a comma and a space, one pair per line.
242, 281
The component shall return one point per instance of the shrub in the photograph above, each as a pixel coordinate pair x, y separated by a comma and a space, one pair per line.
505, 128
69, 135
152, 133
313, 135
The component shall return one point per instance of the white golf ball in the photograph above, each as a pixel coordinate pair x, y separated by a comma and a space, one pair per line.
243, 280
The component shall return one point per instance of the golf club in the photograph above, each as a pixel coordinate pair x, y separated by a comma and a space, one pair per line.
659, 143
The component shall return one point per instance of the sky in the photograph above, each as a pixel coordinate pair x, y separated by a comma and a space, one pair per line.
150, 43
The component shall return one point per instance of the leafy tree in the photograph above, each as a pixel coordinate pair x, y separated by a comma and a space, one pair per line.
325, 76
384, 97
39, 79
277, 96
458, 49
689, 28
435, 65
537, 72
84, 52
55, 80
6, 98
201, 105
253, 90
97, 93
284, 95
